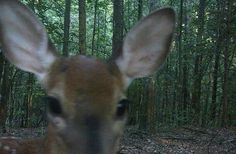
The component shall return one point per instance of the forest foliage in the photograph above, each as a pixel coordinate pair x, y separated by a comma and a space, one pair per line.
196, 85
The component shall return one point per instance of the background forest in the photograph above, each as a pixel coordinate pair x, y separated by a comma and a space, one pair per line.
195, 87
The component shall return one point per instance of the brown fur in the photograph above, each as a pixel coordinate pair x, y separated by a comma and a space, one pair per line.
88, 85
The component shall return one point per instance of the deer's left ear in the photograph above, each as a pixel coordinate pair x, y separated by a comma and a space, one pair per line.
146, 45
24, 39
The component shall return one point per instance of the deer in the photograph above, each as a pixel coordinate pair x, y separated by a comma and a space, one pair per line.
86, 101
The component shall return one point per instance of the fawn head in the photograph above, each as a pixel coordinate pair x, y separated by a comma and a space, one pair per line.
86, 97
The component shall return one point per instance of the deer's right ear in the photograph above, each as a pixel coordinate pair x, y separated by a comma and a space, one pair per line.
146, 45
24, 39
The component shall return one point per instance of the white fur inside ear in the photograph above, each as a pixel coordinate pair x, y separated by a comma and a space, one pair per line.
24, 39
146, 46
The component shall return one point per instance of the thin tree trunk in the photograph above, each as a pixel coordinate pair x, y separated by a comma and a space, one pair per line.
143, 110
140, 9
197, 85
1, 65
82, 26
225, 118
118, 24
128, 12
105, 30
180, 67
94, 25
5, 91
11, 97
216, 66
151, 108
29, 99
185, 80
66, 27
98, 33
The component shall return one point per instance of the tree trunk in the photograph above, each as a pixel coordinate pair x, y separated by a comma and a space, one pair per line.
151, 107
82, 27
66, 27
140, 9
185, 80
118, 24
216, 65
94, 25
1, 65
28, 101
143, 110
180, 67
5, 91
197, 85
225, 88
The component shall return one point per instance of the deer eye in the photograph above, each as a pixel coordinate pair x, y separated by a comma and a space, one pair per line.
122, 108
54, 106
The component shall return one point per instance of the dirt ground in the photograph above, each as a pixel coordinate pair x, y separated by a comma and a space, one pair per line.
180, 141
187, 140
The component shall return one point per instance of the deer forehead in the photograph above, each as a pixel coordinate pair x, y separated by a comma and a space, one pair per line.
85, 84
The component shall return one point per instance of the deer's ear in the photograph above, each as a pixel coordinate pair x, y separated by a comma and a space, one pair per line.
146, 45
24, 39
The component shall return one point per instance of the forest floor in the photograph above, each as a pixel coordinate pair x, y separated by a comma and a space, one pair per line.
186, 140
